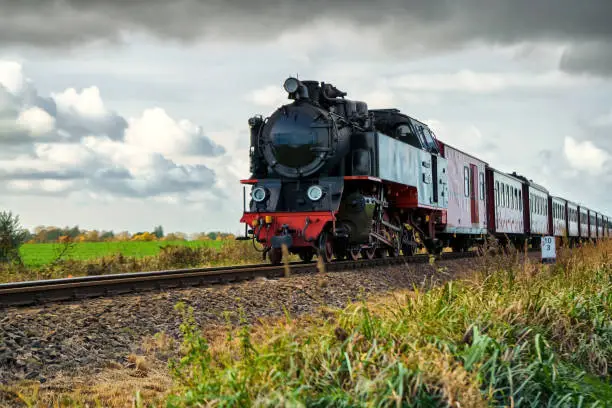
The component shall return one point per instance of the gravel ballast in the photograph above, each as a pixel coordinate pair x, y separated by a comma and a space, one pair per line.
84, 337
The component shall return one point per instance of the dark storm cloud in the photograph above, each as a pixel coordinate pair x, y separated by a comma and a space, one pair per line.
76, 21
404, 23
592, 58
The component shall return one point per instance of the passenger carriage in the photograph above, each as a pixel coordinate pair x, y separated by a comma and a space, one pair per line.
592, 225
466, 217
583, 219
558, 216
572, 222
505, 208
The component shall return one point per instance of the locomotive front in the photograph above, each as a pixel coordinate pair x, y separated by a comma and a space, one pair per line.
297, 166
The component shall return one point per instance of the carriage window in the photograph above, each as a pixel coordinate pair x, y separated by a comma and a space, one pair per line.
520, 200
497, 191
508, 195
541, 205
482, 186
466, 181
540, 208
516, 200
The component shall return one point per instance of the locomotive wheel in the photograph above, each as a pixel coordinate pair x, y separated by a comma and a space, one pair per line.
408, 250
326, 248
368, 253
276, 256
381, 253
354, 253
306, 255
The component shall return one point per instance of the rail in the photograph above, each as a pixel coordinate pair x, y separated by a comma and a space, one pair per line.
67, 289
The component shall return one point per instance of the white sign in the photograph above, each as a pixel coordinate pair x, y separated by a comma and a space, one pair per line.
548, 249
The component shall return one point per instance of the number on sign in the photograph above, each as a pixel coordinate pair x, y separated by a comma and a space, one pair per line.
548, 249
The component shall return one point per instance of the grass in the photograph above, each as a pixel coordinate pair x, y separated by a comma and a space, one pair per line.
163, 256
37, 255
515, 334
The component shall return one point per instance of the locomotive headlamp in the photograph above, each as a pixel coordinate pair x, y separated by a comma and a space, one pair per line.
259, 194
315, 193
291, 85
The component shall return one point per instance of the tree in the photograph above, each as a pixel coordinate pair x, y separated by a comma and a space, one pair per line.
145, 236
92, 236
12, 236
158, 232
107, 236
123, 236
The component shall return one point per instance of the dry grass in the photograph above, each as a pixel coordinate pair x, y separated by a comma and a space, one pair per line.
514, 334
115, 386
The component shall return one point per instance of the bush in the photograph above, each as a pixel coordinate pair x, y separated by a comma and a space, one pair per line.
12, 236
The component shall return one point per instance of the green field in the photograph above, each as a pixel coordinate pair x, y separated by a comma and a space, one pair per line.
36, 255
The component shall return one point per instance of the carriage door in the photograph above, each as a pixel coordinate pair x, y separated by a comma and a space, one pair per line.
474, 192
434, 177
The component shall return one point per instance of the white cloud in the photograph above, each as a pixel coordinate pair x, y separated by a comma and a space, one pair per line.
11, 76
37, 121
92, 149
269, 96
585, 155
155, 131
87, 103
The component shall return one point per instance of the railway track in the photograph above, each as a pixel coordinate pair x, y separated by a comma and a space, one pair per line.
57, 290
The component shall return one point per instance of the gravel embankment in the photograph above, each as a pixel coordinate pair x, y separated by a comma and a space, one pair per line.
68, 339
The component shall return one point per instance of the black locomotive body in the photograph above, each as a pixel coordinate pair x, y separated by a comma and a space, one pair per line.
332, 178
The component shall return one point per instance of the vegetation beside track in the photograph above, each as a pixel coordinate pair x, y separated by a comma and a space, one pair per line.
515, 334
37, 255
186, 254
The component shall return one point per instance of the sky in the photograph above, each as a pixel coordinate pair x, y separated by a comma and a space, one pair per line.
123, 115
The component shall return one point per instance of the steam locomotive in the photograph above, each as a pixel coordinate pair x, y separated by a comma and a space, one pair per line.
332, 178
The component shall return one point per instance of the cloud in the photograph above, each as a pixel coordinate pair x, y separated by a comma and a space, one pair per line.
594, 58
36, 121
72, 142
585, 156
156, 131
603, 121
270, 96
484, 82
415, 25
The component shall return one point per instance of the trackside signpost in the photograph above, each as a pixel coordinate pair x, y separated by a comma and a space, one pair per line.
549, 254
